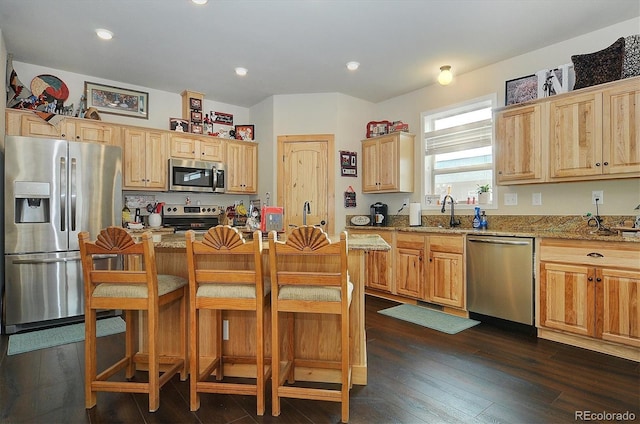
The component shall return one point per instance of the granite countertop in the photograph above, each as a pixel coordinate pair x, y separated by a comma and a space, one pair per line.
563, 227
355, 241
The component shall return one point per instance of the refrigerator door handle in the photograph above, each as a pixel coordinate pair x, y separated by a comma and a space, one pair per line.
74, 258
74, 193
63, 194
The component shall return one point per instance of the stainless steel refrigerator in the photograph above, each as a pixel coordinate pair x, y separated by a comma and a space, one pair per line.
53, 189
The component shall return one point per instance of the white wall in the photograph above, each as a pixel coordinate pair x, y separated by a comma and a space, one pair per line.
621, 196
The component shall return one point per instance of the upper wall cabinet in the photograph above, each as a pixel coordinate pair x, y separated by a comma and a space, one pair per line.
387, 163
192, 147
28, 124
588, 134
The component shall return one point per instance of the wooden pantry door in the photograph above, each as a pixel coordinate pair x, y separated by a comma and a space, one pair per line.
306, 173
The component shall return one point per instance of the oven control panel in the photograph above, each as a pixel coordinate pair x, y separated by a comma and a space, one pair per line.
192, 211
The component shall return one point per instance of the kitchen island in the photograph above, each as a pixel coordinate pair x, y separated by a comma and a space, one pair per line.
316, 335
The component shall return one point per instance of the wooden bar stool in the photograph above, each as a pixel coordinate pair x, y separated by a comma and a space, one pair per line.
225, 274
131, 291
308, 276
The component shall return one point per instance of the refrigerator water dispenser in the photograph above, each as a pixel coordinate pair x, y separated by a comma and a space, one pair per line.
32, 202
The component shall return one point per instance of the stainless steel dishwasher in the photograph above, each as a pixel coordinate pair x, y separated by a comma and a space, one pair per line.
500, 279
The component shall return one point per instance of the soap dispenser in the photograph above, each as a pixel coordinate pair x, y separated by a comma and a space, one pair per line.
483, 222
476, 218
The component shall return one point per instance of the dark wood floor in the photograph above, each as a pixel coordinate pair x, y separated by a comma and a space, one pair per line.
416, 375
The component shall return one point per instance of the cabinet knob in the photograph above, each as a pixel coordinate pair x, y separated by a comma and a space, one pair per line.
606, 163
590, 279
598, 280
597, 163
595, 255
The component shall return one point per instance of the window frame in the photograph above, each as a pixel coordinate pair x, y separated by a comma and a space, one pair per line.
427, 176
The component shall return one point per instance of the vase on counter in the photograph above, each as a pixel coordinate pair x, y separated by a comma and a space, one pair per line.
484, 197
155, 220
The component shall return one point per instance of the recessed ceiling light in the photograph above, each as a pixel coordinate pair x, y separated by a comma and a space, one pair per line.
105, 34
199, 2
241, 71
352, 66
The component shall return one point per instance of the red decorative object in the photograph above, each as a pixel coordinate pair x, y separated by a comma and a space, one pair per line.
376, 128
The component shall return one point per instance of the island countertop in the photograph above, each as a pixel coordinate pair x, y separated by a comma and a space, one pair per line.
354, 241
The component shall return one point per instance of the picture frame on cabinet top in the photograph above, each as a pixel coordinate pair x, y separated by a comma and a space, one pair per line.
521, 90
117, 101
244, 132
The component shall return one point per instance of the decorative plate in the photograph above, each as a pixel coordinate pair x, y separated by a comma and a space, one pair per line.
360, 220
53, 86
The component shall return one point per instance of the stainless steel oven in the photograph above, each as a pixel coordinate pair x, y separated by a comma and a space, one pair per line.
187, 217
197, 176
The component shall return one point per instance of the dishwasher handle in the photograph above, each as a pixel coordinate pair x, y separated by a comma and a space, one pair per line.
494, 241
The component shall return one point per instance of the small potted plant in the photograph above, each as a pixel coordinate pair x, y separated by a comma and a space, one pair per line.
484, 194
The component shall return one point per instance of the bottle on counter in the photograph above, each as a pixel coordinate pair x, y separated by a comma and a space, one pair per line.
476, 218
483, 222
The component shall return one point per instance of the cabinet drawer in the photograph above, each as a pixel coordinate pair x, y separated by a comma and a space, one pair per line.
415, 241
600, 254
451, 244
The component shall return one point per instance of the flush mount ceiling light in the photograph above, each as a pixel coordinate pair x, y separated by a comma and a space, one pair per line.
445, 76
352, 66
105, 34
241, 71
199, 2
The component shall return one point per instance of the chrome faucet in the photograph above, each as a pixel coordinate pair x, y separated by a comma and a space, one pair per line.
306, 209
452, 221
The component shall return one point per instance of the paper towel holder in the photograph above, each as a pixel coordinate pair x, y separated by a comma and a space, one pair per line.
415, 215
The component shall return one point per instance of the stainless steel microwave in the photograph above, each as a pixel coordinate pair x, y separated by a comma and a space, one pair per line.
194, 175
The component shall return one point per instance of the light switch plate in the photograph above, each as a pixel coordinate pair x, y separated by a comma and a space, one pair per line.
510, 199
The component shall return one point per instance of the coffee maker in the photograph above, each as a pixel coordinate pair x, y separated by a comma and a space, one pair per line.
379, 214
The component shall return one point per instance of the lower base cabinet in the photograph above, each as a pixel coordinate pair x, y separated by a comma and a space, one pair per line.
379, 264
592, 290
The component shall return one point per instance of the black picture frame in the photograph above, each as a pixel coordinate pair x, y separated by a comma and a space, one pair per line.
520, 90
195, 104
245, 132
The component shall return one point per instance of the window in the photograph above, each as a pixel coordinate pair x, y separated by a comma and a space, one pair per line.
459, 153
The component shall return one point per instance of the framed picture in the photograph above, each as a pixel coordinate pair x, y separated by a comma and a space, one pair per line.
195, 104
244, 132
179, 124
376, 128
521, 90
196, 117
221, 118
117, 101
196, 128
348, 164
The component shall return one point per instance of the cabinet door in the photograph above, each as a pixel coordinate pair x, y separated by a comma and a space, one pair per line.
389, 162
575, 136
621, 129
183, 147
410, 277
370, 166
34, 126
446, 279
619, 302
518, 145
242, 162
378, 266
134, 160
212, 150
567, 298
157, 155
92, 132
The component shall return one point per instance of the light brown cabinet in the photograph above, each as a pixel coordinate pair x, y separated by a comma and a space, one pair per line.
518, 146
591, 289
388, 163
191, 147
28, 124
446, 270
410, 267
587, 134
91, 131
379, 264
242, 167
145, 158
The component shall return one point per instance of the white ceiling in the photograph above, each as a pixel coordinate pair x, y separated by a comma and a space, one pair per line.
292, 46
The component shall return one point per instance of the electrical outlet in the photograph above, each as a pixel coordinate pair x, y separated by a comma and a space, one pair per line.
510, 199
536, 199
225, 329
597, 194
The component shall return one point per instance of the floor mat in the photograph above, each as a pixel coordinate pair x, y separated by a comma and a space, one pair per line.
425, 317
